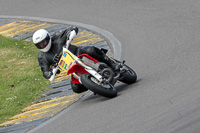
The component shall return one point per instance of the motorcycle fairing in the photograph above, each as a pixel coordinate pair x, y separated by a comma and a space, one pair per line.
74, 68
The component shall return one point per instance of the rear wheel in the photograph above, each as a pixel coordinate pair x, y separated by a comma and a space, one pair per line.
106, 90
129, 76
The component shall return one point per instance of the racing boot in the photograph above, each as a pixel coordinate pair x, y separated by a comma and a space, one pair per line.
113, 64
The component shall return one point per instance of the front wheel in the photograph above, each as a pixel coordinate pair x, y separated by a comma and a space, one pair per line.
78, 88
106, 90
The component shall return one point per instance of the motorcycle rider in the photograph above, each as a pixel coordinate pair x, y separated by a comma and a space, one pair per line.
51, 47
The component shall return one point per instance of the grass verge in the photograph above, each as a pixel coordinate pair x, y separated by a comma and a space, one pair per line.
20, 76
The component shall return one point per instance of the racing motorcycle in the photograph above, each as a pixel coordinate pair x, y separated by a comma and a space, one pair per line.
88, 73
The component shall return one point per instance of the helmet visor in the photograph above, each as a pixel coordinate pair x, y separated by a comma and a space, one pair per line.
43, 43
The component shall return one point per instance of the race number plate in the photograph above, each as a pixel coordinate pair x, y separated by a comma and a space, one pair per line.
66, 60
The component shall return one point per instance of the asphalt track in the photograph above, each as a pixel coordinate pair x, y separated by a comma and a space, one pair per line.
160, 41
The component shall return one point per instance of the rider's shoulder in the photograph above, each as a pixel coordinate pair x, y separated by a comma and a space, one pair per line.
41, 55
59, 34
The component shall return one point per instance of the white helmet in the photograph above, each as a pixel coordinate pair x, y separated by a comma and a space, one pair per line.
42, 40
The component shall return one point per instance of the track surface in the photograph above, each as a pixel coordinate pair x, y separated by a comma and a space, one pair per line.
160, 41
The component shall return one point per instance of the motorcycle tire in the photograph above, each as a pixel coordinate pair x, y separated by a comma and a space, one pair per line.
128, 77
78, 88
108, 91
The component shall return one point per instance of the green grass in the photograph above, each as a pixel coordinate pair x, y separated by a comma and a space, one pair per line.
21, 79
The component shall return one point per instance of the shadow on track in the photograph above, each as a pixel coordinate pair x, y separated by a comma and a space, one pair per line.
121, 87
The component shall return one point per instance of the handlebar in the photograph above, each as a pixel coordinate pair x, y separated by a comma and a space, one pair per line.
53, 75
72, 35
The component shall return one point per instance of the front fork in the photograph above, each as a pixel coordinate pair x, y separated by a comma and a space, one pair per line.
89, 70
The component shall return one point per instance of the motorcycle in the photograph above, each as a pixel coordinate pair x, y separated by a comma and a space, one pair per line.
88, 73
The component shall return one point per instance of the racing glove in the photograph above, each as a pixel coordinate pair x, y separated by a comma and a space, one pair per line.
47, 74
